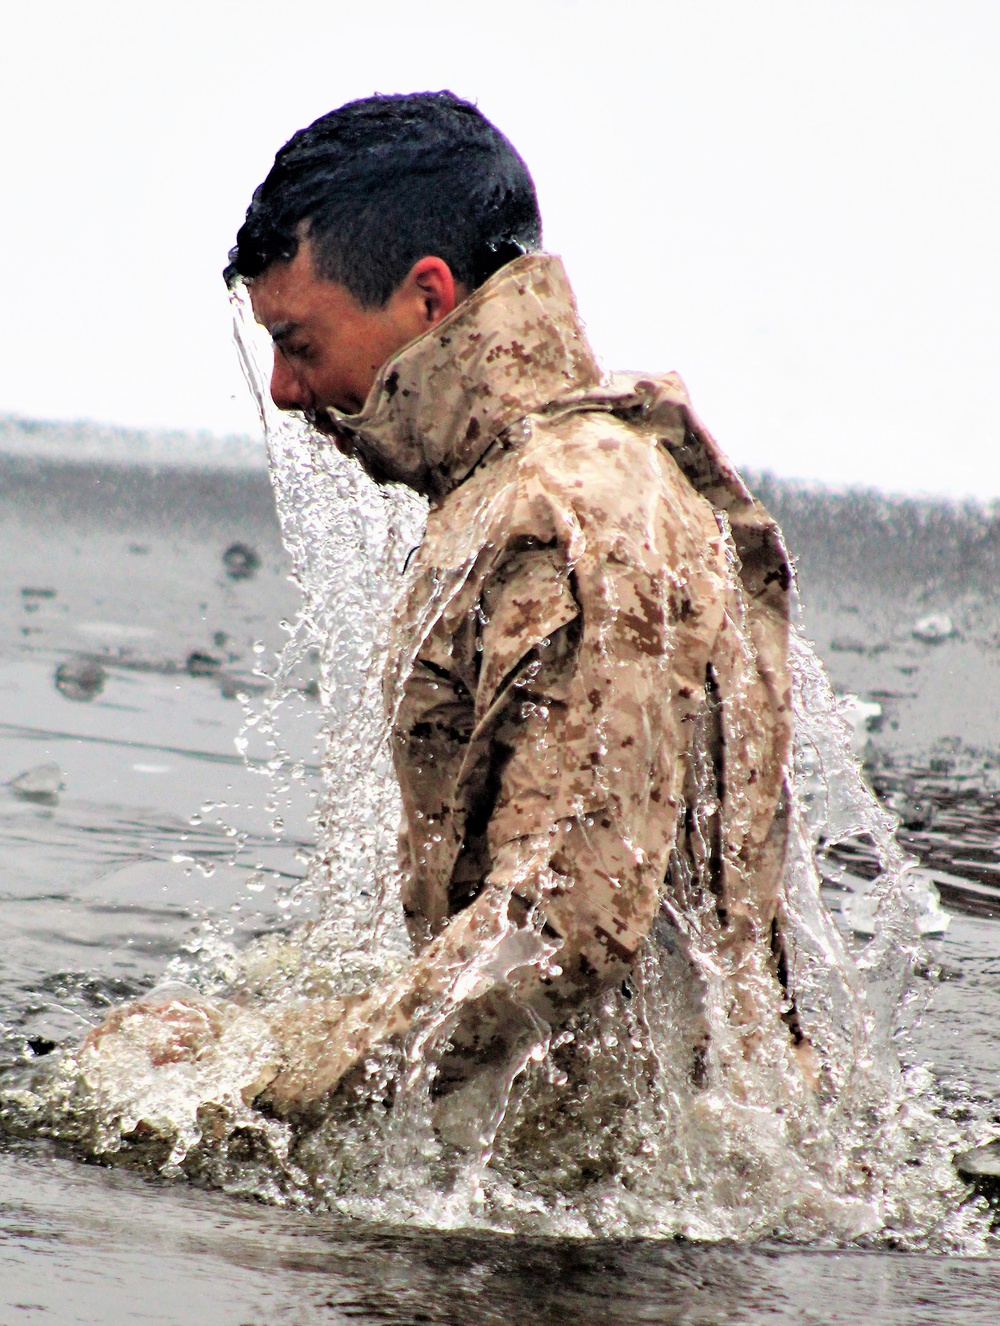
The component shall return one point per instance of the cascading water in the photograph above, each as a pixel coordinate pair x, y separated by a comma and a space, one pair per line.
596, 1127
348, 540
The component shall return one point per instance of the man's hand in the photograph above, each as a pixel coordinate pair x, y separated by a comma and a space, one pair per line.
321, 1041
315, 1046
170, 1030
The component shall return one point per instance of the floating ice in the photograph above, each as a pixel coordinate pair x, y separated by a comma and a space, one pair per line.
42, 783
933, 629
80, 678
116, 630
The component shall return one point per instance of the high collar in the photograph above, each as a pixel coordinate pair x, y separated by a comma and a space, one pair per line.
514, 346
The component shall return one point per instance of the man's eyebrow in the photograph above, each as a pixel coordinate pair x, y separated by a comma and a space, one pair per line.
282, 330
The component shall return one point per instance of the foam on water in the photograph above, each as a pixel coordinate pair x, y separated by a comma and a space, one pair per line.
597, 1126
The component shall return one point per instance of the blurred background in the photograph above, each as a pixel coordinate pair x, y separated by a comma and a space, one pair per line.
794, 203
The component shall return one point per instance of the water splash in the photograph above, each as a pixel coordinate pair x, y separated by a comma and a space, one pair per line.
596, 1127
348, 540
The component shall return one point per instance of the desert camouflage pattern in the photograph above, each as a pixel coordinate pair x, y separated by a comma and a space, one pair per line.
589, 690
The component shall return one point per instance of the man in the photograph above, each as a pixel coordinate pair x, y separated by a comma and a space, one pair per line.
589, 693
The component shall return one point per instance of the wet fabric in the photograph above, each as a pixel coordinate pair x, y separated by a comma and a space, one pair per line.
589, 692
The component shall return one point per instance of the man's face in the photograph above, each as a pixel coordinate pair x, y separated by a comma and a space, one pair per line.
328, 347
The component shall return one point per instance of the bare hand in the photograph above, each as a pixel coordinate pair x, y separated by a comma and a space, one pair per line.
317, 1051
171, 1031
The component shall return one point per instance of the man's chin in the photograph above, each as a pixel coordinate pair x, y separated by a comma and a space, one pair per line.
373, 465
380, 468
321, 422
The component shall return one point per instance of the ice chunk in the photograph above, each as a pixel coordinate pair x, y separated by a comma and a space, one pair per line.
933, 629
80, 678
981, 1168
42, 783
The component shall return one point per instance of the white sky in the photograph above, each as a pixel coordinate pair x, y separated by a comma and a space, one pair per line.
795, 203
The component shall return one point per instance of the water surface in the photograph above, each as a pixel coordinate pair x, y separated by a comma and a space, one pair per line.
109, 880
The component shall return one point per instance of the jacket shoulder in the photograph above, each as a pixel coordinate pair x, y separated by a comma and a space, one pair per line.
600, 463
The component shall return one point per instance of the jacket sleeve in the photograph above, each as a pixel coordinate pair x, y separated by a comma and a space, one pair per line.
580, 668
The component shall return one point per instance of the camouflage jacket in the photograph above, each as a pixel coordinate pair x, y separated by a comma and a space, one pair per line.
589, 689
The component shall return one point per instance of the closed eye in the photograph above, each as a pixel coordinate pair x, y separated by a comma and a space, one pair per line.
285, 336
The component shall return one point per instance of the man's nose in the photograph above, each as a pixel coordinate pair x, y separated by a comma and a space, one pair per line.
287, 391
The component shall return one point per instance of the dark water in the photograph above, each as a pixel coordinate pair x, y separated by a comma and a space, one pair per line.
105, 881
87, 1245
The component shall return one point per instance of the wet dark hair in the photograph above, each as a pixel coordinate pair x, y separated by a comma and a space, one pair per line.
380, 183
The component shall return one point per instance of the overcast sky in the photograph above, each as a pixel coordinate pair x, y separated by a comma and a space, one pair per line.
794, 203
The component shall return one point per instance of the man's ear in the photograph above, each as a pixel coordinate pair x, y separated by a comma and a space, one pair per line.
431, 283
